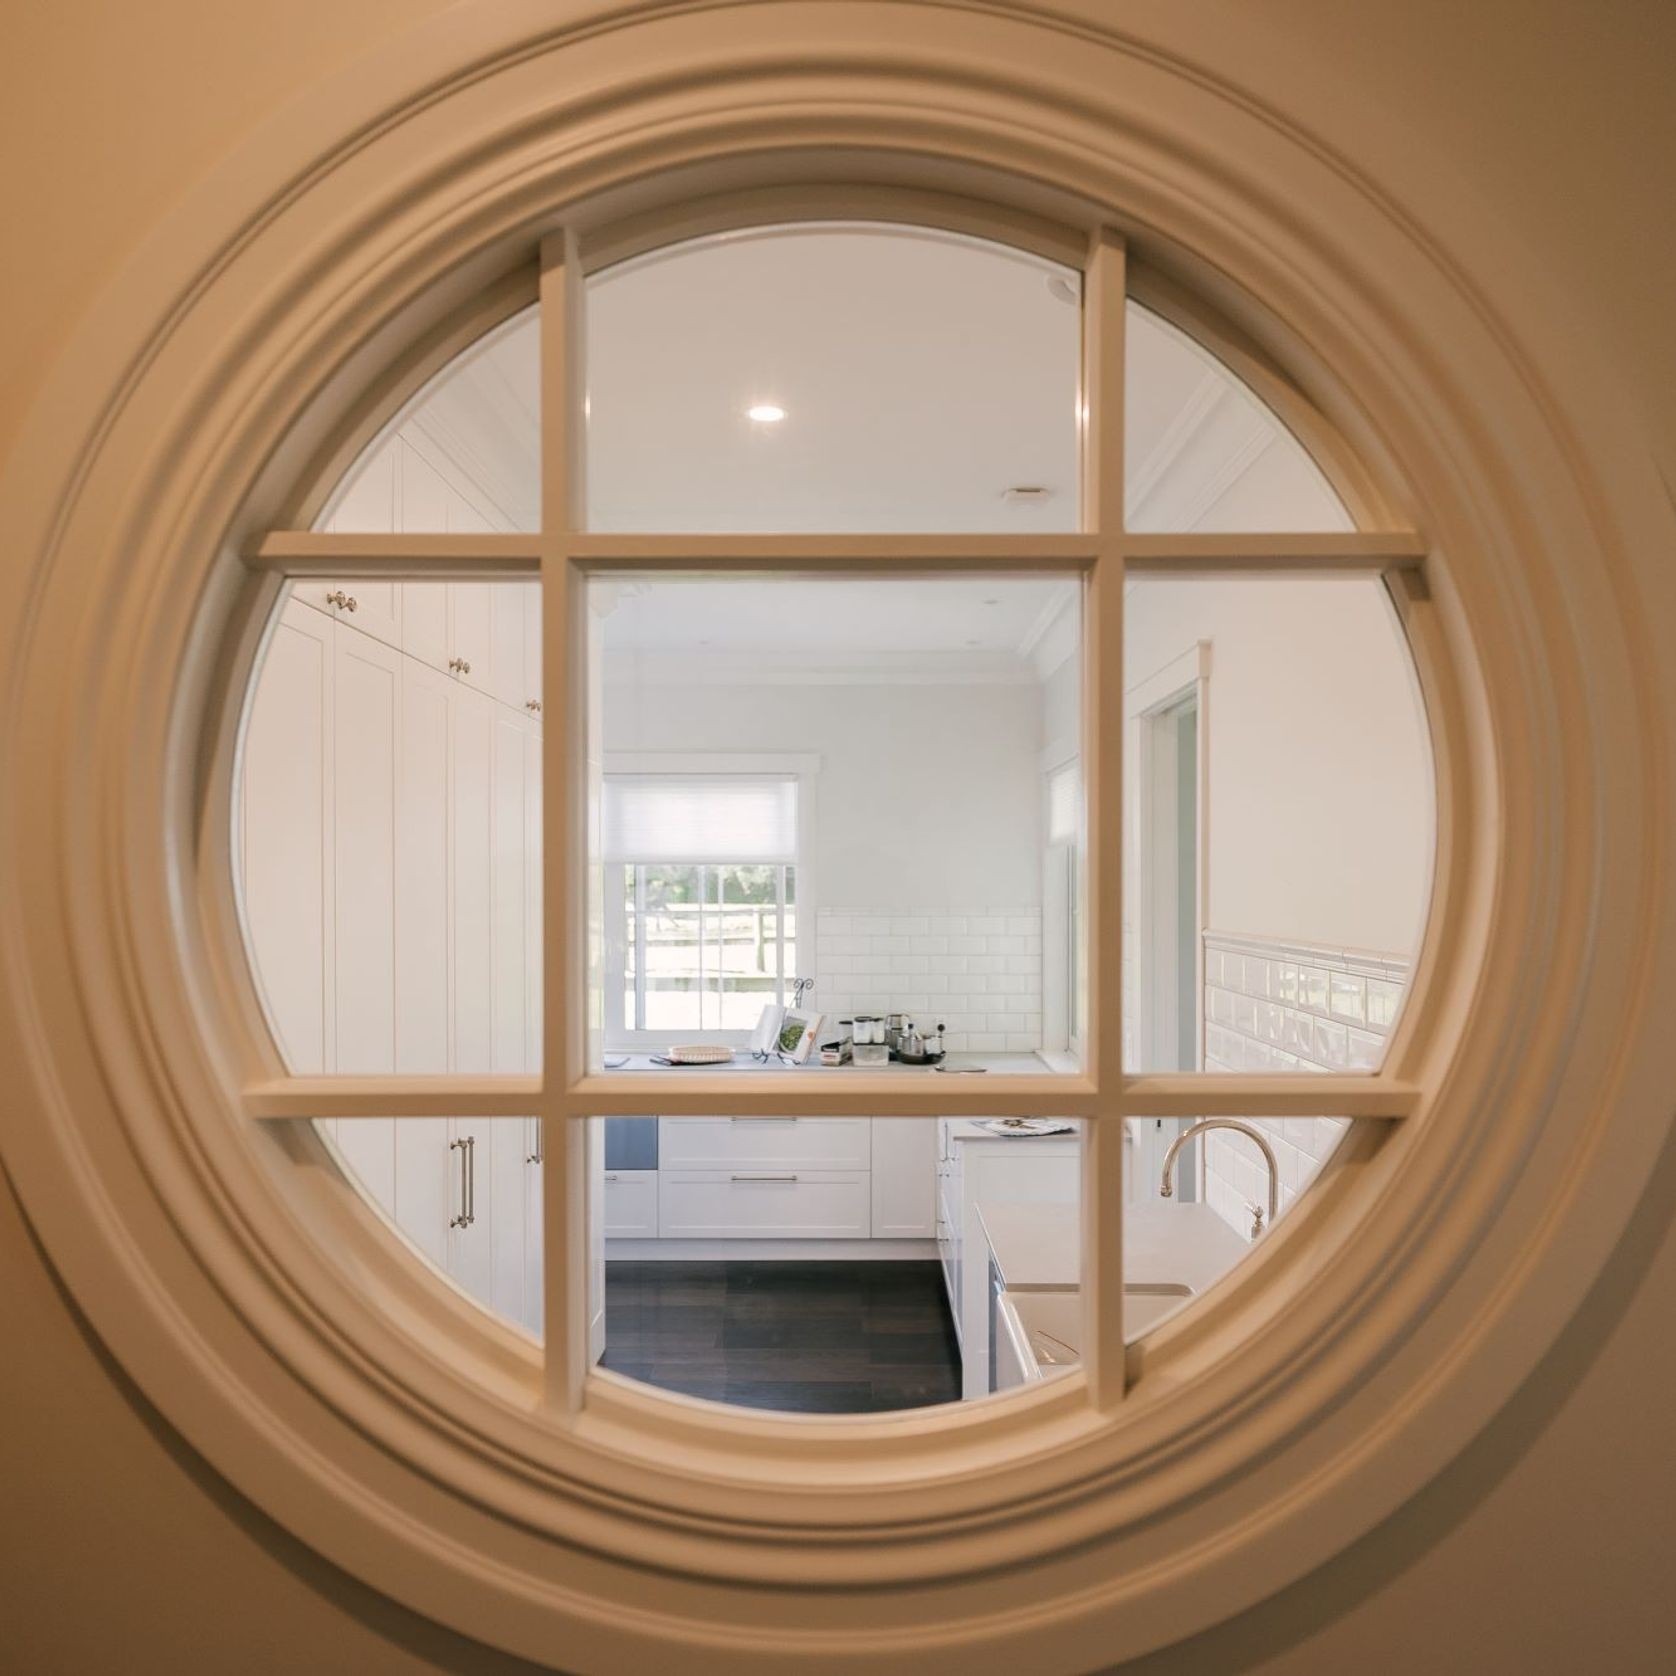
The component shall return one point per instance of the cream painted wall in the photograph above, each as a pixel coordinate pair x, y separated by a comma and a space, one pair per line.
893, 831
1534, 138
1319, 816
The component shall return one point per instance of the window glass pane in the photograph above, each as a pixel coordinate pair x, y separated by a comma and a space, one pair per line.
1176, 1246
463, 1194
906, 721
463, 454
1279, 823
1203, 451
387, 816
823, 1321
836, 378
387, 820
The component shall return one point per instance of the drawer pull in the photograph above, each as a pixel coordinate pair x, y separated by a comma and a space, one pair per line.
763, 1178
762, 1120
610, 1175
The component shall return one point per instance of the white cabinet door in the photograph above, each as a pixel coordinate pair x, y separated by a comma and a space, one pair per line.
470, 640
510, 928
505, 678
366, 732
506, 1212
904, 1178
285, 827
762, 1204
425, 622
764, 1143
631, 1204
365, 765
424, 1184
471, 1258
532, 646
471, 777
423, 895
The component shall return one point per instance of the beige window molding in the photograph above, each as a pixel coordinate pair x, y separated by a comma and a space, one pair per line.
580, 1520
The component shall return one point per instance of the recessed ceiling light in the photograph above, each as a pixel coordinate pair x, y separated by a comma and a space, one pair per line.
765, 413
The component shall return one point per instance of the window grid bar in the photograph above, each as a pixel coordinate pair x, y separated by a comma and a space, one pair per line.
567, 763
393, 1096
1374, 1098
790, 554
1335, 553
352, 557
1105, 308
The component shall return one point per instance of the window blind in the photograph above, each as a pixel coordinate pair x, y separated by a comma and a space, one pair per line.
652, 818
1064, 792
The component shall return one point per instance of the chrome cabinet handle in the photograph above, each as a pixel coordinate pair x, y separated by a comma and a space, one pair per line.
764, 1178
460, 666
762, 1120
343, 601
540, 1144
467, 1149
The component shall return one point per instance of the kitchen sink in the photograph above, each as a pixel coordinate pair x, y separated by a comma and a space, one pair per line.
1038, 1333
1145, 1304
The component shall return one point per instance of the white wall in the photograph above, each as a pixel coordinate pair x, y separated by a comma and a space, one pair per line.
927, 797
1319, 814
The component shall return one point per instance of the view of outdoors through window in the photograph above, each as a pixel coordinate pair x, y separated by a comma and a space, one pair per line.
706, 947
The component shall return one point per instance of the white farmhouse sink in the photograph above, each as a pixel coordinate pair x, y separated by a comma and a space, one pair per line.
1038, 1334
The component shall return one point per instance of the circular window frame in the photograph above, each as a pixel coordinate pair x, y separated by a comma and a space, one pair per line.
147, 1200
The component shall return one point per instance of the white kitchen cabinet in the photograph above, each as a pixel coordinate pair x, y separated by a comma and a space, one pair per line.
390, 833
285, 844
756, 1203
630, 1206
764, 1143
905, 1178
981, 1168
530, 699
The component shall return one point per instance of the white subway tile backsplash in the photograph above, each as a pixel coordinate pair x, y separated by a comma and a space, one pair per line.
1287, 1007
978, 972
1347, 996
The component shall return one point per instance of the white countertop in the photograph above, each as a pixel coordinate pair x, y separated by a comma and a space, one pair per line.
1000, 1064
1038, 1248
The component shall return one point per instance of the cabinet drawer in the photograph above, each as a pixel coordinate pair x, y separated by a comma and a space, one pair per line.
764, 1143
753, 1203
631, 1204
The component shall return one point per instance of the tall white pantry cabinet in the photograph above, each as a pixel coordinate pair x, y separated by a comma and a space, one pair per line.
390, 830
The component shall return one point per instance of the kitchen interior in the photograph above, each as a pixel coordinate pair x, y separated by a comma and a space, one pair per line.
839, 819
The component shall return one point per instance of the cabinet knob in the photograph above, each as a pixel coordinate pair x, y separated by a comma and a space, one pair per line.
533, 705
459, 666
343, 601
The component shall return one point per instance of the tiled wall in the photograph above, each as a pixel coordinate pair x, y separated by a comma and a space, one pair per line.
1273, 1006
979, 973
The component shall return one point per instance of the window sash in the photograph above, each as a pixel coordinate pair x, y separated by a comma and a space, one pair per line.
566, 557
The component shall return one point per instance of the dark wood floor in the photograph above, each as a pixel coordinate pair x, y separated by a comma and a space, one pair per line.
820, 1337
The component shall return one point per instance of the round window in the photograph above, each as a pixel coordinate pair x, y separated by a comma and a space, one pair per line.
876, 671
842, 842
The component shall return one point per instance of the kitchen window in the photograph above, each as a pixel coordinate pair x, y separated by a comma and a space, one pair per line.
701, 885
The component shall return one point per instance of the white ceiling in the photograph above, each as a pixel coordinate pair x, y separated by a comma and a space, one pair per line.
921, 375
